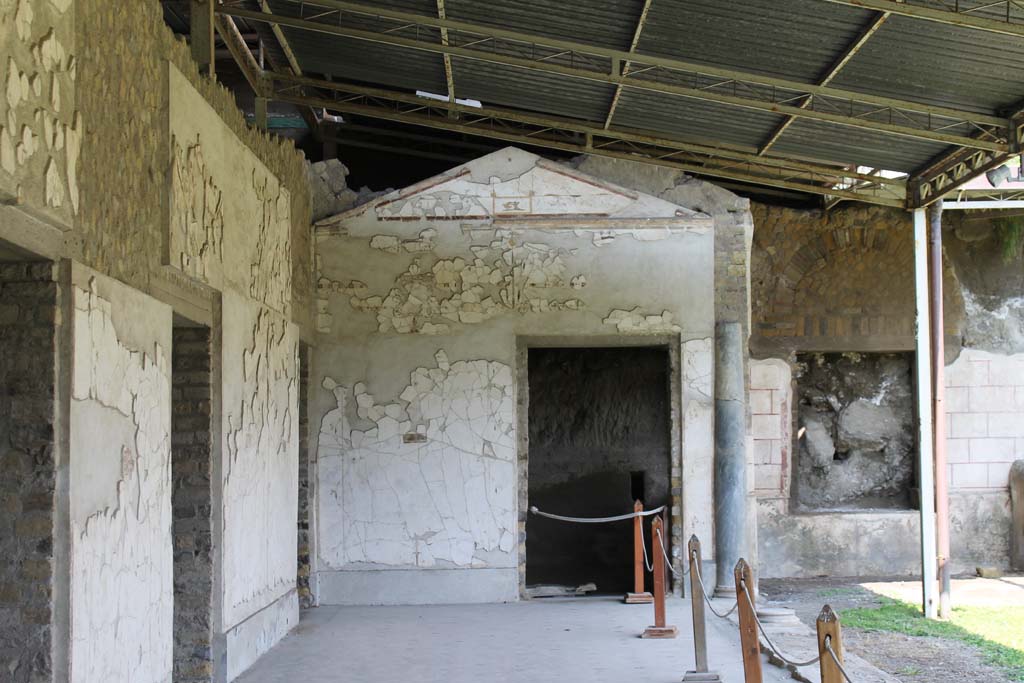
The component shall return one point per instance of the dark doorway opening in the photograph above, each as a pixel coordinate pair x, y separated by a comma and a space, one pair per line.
599, 438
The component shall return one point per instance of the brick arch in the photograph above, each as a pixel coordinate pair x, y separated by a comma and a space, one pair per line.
843, 281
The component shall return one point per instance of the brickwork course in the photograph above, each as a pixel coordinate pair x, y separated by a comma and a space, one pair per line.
28, 328
838, 281
191, 475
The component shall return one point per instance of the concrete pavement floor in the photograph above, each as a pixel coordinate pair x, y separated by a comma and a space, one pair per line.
564, 640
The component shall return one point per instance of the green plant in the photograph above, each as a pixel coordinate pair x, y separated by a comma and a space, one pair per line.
997, 632
1011, 235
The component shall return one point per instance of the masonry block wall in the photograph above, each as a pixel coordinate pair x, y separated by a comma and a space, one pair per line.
843, 282
771, 403
28, 325
191, 479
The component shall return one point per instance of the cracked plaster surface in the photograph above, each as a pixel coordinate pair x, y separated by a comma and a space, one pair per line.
224, 199
635, 321
121, 582
198, 219
501, 275
425, 481
260, 379
40, 135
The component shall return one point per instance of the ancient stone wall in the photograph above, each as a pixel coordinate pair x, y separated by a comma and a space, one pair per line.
191, 484
843, 282
124, 93
838, 281
28, 375
429, 300
40, 128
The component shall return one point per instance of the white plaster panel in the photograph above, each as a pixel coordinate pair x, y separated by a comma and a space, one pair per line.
982, 390
121, 578
416, 463
251, 639
221, 193
260, 450
431, 481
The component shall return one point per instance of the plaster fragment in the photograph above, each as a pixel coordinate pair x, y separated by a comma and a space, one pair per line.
8, 161
54, 185
23, 20
637, 322
14, 91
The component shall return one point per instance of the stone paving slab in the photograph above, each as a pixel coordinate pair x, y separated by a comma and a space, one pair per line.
570, 640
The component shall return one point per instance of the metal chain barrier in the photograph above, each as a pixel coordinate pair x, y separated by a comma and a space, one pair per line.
704, 592
596, 520
768, 640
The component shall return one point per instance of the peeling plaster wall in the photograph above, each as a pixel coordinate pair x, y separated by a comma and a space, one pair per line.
125, 90
423, 295
120, 421
259, 370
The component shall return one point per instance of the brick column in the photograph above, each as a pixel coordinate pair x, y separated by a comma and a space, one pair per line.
191, 480
28, 328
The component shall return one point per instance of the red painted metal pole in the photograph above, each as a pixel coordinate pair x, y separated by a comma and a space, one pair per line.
939, 410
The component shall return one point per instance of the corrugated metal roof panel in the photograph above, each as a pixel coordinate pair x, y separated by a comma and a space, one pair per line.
506, 86
609, 23
939, 64
691, 119
847, 145
795, 39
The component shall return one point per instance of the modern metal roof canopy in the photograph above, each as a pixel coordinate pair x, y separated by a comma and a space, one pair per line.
797, 94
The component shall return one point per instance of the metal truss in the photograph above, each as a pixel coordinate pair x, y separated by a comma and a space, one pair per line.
576, 137
995, 16
653, 74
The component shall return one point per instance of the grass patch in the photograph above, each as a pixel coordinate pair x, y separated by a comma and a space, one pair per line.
840, 592
997, 632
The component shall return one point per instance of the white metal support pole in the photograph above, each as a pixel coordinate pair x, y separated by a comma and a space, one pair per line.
926, 467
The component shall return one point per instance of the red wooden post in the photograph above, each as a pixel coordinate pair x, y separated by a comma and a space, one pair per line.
659, 630
750, 646
639, 596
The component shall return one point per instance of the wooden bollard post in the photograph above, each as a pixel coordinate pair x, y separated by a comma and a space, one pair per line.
700, 637
659, 630
639, 596
830, 634
749, 643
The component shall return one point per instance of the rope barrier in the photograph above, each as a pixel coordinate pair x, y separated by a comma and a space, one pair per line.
668, 560
704, 592
596, 520
835, 659
643, 544
768, 640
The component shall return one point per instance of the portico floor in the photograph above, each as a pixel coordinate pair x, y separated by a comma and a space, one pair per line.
591, 640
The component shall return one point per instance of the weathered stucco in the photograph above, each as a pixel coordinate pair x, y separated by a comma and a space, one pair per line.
423, 294
124, 91
121, 583
40, 128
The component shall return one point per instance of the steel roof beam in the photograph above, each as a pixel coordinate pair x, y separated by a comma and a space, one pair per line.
449, 75
545, 132
959, 14
286, 48
283, 85
728, 87
626, 66
833, 71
